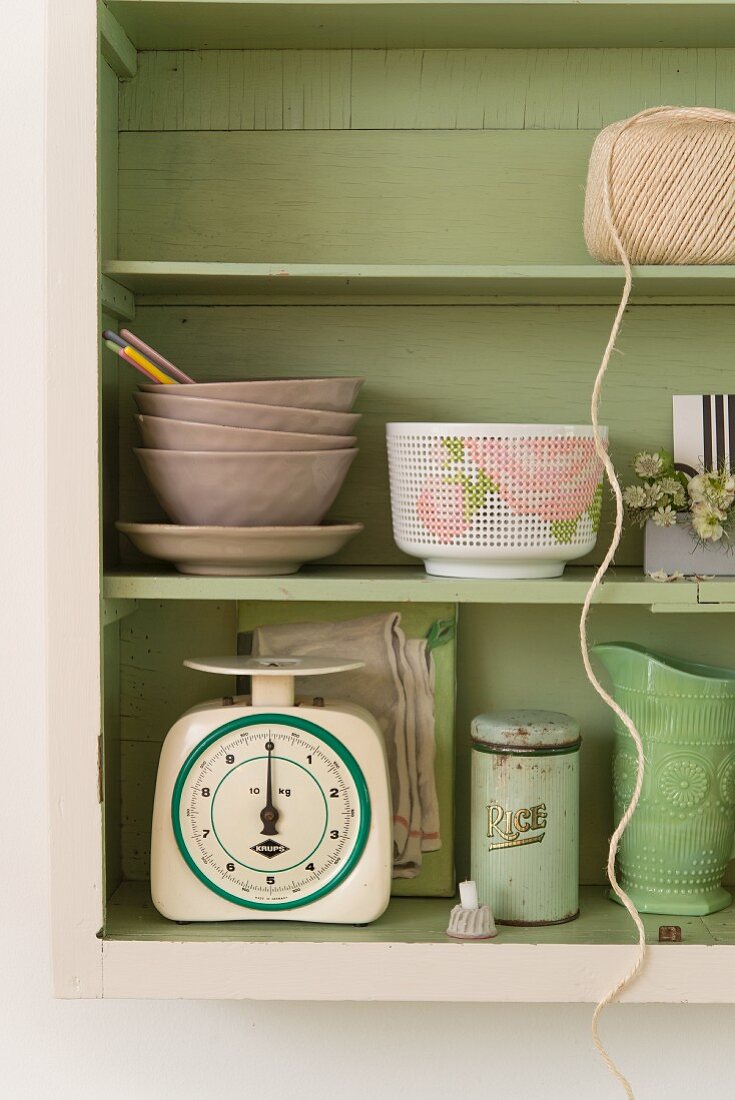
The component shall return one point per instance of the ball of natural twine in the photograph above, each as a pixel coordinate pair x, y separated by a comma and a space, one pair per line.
672, 188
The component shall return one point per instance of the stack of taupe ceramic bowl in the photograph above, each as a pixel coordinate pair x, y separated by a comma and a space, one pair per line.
246, 471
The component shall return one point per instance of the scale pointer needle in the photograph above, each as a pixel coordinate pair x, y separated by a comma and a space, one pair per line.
269, 813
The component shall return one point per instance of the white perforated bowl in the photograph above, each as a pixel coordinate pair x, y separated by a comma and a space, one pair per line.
494, 500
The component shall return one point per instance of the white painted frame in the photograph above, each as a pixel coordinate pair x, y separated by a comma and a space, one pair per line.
84, 966
72, 498
495, 972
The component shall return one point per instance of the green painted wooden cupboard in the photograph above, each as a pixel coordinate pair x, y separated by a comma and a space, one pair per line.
393, 190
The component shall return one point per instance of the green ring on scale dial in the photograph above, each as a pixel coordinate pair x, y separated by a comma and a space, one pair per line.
329, 740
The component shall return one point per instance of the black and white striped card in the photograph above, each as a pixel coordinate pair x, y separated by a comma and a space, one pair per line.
704, 431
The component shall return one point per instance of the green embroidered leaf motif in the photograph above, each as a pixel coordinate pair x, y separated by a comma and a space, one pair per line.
454, 448
564, 530
476, 492
595, 509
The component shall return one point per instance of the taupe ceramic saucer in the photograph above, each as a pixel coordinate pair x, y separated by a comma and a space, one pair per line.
238, 551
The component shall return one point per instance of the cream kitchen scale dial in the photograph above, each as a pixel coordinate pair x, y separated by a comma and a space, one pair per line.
272, 809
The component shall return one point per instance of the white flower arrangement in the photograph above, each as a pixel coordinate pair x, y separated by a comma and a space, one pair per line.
664, 493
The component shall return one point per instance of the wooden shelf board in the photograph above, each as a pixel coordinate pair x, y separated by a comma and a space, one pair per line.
719, 591
408, 584
414, 282
131, 916
115, 47
407, 956
265, 24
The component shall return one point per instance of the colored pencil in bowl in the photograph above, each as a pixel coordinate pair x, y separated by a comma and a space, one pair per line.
155, 372
141, 369
132, 353
121, 353
155, 356
112, 337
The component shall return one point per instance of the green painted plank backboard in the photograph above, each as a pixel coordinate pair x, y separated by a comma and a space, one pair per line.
155, 689
416, 89
354, 196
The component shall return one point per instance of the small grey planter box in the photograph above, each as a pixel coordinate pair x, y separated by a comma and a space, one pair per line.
676, 550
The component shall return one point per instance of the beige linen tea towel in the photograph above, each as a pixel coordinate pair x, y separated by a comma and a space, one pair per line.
397, 687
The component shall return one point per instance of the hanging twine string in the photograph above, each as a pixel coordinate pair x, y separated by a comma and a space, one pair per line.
606, 698
607, 561
688, 230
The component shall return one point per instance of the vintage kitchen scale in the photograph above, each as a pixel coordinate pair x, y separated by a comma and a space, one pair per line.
272, 808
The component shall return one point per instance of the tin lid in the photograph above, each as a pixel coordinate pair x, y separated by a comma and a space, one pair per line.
525, 731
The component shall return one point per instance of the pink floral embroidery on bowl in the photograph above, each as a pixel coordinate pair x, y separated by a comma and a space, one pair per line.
441, 509
553, 478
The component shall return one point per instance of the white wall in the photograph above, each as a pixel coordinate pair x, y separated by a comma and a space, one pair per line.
150, 1050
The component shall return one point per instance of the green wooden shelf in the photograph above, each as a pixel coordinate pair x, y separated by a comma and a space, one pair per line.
158, 281
407, 956
131, 916
265, 24
718, 591
408, 584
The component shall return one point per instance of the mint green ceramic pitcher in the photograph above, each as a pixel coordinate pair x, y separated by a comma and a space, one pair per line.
674, 852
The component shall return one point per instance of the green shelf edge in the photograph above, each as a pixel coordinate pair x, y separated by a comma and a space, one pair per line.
408, 584
183, 281
345, 24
